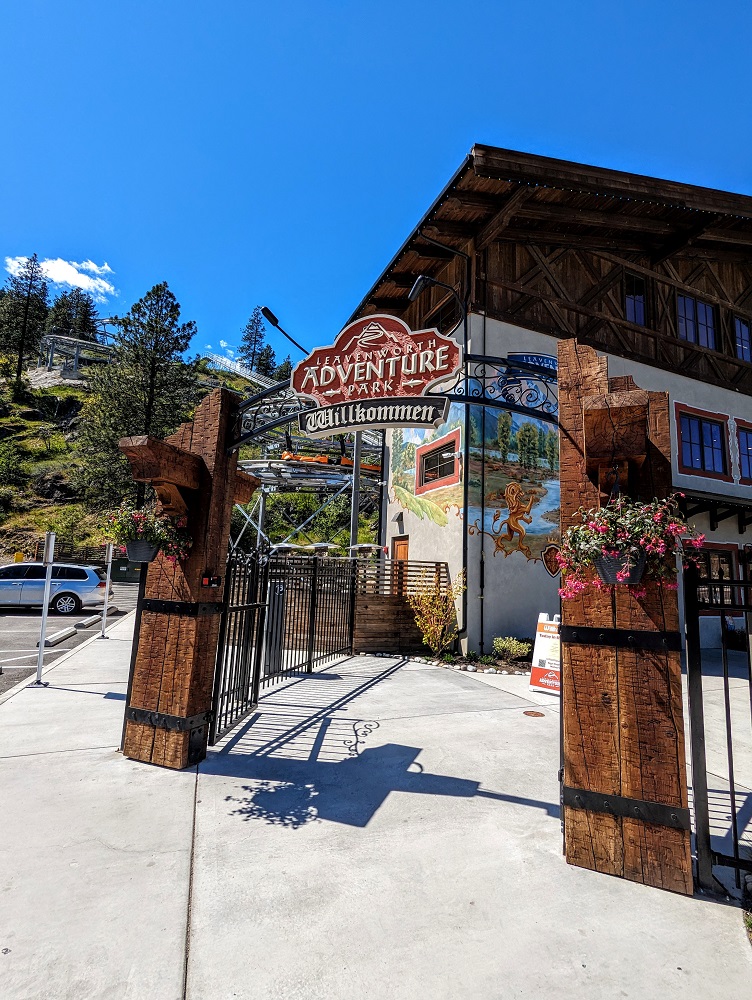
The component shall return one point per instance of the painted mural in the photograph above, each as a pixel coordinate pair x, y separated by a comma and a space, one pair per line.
514, 483
437, 503
513, 471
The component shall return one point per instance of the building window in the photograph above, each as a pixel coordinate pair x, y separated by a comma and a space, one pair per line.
743, 343
696, 321
436, 465
702, 445
745, 453
715, 564
634, 299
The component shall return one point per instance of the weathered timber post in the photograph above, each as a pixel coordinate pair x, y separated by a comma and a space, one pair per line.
166, 718
625, 779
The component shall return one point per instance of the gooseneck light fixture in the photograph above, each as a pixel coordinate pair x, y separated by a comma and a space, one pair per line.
271, 318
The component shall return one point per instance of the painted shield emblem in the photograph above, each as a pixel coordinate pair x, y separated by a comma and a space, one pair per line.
548, 556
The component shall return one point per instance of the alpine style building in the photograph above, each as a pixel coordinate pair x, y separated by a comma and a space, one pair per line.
656, 275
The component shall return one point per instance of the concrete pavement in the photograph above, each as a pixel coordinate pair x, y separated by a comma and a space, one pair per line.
94, 853
377, 829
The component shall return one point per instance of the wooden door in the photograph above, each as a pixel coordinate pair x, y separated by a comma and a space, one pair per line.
399, 548
399, 572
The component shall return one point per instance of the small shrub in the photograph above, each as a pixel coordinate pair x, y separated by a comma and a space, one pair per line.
472, 655
510, 648
487, 661
12, 471
51, 438
448, 658
68, 524
435, 612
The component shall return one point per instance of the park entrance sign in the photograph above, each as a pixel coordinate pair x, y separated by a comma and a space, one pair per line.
378, 373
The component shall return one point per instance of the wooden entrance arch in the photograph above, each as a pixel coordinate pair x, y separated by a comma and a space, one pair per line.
624, 787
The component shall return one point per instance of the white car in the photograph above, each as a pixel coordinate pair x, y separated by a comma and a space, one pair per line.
72, 587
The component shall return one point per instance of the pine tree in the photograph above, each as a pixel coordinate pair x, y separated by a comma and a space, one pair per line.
503, 433
74, 314
552, 450
146, 389
266, 362
283, 371
527, 445
23, 310
253, 339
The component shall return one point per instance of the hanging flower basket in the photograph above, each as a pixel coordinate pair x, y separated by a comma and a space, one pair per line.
624, 568
141, 552
623, 542
144, 533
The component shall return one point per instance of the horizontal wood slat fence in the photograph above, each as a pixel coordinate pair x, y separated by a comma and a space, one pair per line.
383, 620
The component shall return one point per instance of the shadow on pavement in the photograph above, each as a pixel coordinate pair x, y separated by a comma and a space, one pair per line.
306, 763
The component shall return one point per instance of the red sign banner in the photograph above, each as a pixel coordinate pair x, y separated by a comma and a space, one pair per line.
378, 357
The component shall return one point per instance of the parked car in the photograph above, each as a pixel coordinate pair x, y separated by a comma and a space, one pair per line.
72, 587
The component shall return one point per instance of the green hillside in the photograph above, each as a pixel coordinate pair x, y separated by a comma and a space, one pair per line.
38, 461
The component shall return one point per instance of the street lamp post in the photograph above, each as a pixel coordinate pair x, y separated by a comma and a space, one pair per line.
422, 282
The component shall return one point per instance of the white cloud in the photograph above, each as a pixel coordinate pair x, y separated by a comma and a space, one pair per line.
223, 343
87, 275
89, 265
229, 353
208, 347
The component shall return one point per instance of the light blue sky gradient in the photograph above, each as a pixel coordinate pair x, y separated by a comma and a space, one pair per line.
279, 153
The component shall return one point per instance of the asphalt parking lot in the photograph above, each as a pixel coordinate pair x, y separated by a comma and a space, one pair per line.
19, 634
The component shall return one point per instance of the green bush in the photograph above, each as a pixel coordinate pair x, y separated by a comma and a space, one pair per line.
488, 661
12, 471
510, 648
6, 499
68, 524
472, 655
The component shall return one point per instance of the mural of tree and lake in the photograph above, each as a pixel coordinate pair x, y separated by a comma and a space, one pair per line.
521, 487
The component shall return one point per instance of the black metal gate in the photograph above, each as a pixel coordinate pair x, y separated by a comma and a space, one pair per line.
719, 686
236, 672
282, 615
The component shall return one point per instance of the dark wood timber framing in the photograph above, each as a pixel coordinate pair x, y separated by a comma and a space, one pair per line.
550, 243
625, 775
167, 714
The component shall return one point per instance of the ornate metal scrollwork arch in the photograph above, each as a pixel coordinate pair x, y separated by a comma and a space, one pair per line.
506, 384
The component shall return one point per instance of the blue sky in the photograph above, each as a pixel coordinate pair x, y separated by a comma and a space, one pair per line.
278, 154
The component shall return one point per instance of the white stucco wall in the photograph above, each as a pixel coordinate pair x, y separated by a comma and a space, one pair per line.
517, 589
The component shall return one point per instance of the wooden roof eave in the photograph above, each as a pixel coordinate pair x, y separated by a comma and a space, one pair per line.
506, 164
414, 235
528, 173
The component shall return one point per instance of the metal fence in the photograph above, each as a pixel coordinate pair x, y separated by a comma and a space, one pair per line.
719, 685
282, 615
236, 672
